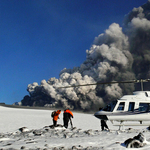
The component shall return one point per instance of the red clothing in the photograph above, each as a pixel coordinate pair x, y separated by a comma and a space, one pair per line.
56, 115
66, 117
68, 111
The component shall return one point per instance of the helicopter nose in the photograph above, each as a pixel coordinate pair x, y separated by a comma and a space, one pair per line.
102, 117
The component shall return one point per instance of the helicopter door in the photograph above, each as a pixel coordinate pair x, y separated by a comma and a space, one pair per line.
131, 106
121, 106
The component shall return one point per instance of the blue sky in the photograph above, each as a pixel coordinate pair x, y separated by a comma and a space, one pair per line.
38, 38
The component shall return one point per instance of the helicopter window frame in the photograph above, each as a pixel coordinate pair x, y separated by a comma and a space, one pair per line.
131, 106
113, 105
121, 106
144, 107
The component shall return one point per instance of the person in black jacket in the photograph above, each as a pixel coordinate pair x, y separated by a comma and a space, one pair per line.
67, 115
103, 123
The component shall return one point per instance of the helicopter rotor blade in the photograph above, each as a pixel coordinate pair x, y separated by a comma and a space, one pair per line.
112, 82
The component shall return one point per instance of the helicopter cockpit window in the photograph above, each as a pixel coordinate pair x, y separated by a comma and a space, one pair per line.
111, 106
107, 108
144, 107
121, 106
131, 106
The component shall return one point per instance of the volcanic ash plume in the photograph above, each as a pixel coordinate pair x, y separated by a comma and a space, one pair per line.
137, 27
118, 54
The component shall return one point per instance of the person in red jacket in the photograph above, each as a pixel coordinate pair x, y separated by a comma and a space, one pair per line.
56, 116
66, 117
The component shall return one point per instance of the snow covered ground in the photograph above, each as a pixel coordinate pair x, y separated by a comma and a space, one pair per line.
86, 134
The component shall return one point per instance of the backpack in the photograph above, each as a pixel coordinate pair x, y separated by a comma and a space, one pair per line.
53, 113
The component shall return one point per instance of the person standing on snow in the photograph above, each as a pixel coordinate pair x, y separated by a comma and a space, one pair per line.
103, 123
56, 117
66, 117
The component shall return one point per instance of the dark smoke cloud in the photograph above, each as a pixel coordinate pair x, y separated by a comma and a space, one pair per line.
137, 28
116, 55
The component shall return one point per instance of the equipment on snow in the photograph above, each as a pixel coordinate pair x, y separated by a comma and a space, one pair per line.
71, 123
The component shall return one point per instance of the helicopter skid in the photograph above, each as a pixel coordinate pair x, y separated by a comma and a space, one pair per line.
122, 116
131, 124
125, 117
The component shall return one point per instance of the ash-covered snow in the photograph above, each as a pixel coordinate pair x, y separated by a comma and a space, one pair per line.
30, 129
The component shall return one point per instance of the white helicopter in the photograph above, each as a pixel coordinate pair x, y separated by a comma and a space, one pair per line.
134, 107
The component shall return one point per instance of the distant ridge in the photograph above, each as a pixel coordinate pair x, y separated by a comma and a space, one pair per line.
26, 107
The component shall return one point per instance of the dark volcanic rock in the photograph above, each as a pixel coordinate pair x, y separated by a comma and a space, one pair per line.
135, 142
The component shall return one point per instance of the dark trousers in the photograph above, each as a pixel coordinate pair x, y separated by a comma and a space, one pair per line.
103, 125
54, 123
66, 123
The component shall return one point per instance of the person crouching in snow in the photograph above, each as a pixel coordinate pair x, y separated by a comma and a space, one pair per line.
56, 117
66, 117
